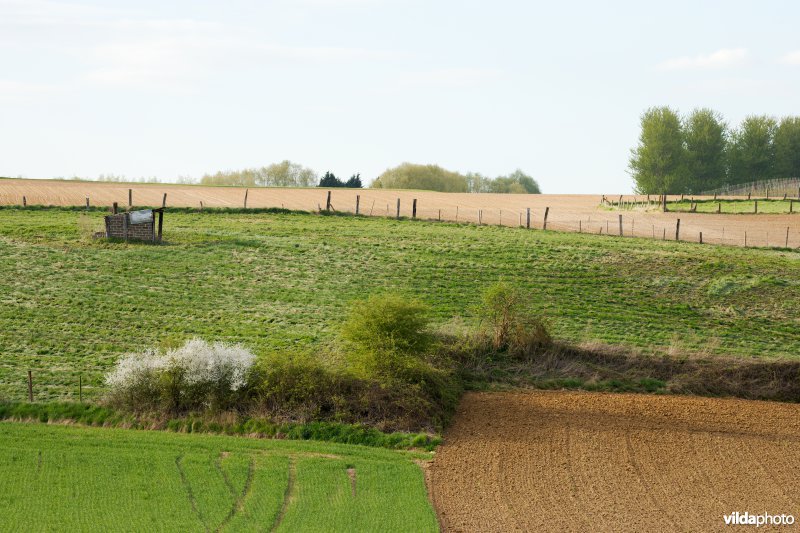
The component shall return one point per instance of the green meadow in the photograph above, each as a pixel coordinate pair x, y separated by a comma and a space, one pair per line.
71, 305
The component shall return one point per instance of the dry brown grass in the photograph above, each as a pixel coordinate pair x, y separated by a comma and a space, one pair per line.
580, 212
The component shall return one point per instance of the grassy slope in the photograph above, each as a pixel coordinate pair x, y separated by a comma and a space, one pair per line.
69, 305
85, 479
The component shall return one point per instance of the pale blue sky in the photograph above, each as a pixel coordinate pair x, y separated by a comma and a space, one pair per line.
153, 88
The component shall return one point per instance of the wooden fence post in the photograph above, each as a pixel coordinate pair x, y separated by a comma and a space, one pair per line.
87, 203
30, 386
328, 202
164, 201
414, 208
201, 205
528, 219
620, 225
791, 206
546, 212
24, 201
440, 215
114, 208
480, 216
719, 207
787, 237
664, 203
398, 208
755, 207
701, 237
245, 197
678, 230
358, 201
125, 226
130, 198
580, 229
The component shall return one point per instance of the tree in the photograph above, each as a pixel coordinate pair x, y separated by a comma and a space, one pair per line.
515, 183
752, 150
787, 148
425, 177
286, 174
706, 137
354, 182
329, 180
283, 174
658, 163
477, 182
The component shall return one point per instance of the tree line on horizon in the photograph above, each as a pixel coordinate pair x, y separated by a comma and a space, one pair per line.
436, 178
700, 152
403, 176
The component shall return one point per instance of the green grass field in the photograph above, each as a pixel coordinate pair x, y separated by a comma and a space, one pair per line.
59, 478
736, 206
70, 306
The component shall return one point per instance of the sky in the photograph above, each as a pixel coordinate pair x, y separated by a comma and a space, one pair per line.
182, 88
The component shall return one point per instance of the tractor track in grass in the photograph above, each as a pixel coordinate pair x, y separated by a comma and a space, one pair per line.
288, 496
572, 461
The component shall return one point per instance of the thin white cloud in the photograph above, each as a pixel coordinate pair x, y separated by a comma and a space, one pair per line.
451, 77
723, 58
20, 90
792, 58
155, 62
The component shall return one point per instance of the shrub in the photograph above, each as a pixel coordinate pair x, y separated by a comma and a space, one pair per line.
388, 321
509, 325
299, 387
197, 375
388, 335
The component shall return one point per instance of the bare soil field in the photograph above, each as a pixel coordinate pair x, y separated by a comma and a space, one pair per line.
565, 212
580, 461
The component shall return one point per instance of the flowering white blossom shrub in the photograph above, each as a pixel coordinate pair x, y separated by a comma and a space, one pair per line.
196, 375
218, 363
133, 368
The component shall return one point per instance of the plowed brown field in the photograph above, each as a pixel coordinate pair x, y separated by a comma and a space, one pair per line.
567, 212
579, 461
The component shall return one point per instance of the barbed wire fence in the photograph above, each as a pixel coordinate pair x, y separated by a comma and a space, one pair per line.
639, 216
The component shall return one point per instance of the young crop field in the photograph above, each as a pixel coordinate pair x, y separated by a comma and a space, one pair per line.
70, 306
85, 479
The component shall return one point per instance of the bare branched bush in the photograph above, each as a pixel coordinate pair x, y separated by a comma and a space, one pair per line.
508, 325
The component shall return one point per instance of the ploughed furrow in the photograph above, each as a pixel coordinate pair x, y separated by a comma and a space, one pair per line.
580, 461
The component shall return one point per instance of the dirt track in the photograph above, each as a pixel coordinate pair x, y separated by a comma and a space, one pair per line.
576, 212
578, 461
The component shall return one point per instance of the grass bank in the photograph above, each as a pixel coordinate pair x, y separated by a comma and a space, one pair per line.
71, 305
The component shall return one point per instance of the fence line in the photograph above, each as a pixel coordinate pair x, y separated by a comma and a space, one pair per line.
646, 223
